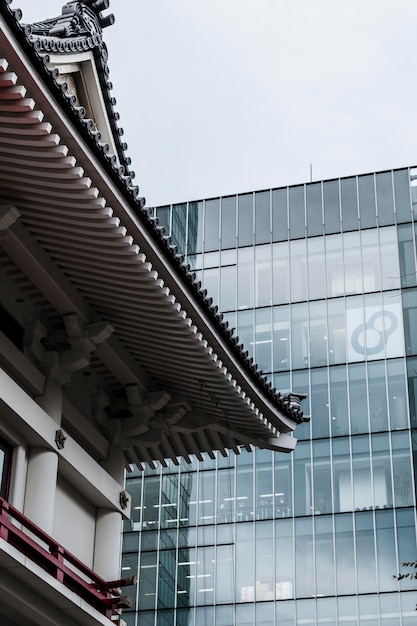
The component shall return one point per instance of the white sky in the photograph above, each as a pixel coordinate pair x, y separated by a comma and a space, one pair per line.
226, 96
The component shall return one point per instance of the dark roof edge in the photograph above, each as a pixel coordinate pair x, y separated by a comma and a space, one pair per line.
289, 403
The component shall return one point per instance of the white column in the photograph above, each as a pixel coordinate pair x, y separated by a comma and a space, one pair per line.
41, 488
42, 467
107, 544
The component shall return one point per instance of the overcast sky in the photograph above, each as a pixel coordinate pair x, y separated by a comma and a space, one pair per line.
226, 96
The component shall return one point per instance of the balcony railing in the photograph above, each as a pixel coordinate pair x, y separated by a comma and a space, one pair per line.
59, 563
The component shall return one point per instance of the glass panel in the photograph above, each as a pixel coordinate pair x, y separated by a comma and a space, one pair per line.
262, 217
284, 551
390, 267
358, 404
334, 267
211, 225
386, 552
407, 551
299, 336
280, 273
279, 215
151, 509
381, 470
349, 204
147, 580
377, 388
318, 334
367, 207
362, 477
314, 210
163, 214
298, 269
371, 261
245, 329
166, 579
342, 475
228, 284
244, 493
206, 498
397, 394
331, 207
211, 283
264, 564
304, 558
264, 487
281, 338
385, 198
325, 562
368, 611
263, 276
319, 403
365, 553
316, 268
406, 253
245, 277
322, 502
265, 613
228, 222
339, 408
402, 195
336, 331
245, 220
403, 479
245, 563
283, 491
263, 339
224, 575
392, 329
195, 227
345, 555
296, 212
179, 226
302, 479
410, 321
225, 496
413, 190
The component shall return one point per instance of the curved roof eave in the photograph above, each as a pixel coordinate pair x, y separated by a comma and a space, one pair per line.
212, 360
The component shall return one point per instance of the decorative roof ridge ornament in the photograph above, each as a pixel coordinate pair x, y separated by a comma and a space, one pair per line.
80, 20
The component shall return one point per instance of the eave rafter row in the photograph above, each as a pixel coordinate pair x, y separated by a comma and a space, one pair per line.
70, 220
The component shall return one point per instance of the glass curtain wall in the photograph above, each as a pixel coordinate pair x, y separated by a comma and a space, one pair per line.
319, 281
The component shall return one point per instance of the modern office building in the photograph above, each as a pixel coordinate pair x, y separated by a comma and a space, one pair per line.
110, 353
319, 281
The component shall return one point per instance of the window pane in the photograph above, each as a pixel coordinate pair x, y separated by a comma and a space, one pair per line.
349, 203
228, 224
211, 225
402, 195
385, 199
245, 220
279, 215
314, 210
367, 207
331, 207
296, 212
262, 217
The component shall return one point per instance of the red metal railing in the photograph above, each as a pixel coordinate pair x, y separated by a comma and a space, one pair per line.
57, 561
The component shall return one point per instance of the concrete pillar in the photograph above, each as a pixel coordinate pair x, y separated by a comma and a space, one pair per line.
41, 488
107, 544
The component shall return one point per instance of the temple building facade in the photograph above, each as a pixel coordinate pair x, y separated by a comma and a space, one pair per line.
319, 281
112, 355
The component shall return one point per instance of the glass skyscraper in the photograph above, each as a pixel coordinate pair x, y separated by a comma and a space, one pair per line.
319, 281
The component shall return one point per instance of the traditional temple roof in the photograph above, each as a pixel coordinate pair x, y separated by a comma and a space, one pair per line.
91, 262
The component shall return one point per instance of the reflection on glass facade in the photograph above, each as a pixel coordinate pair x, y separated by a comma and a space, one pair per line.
319, 281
